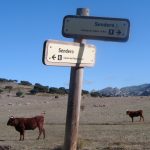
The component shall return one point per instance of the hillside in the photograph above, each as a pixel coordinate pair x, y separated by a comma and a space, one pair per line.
27, 87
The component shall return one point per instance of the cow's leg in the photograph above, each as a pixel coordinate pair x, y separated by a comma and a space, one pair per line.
22, 132
43, 133
132, 119
142, 117
21, 136
40, 131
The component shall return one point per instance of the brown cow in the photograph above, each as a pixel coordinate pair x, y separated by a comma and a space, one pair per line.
137, 113
22, 124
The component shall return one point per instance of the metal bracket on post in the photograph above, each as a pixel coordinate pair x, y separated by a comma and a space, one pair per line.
74, 98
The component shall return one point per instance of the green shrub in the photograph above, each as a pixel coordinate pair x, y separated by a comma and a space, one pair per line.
20, 94
53, 90
95, 94
60, 90
25, 83
1, 90
85, 92
80, 144
41, 88
3, 80
33, 91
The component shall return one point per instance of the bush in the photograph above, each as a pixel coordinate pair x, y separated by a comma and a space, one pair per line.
60, 90
1, 90
25, 83
53, 90
33, 91
6, 80
3, 80
40, 88
84, 92
80, 144
14, 81
20, 94
95, 94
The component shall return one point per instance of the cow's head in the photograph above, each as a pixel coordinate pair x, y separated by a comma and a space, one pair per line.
127, 112
11, 121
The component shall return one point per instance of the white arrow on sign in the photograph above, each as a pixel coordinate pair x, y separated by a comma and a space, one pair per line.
59, 53
101, 28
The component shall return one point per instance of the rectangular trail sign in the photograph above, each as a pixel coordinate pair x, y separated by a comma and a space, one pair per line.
59, 53
101, 28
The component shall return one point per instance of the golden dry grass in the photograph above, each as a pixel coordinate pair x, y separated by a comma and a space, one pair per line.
104, 124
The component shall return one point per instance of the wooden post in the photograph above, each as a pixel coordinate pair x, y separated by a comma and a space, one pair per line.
74, 99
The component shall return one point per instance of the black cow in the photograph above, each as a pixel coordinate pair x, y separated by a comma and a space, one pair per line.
22, 124
138, 113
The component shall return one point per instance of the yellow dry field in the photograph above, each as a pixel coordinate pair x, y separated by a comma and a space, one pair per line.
104, 124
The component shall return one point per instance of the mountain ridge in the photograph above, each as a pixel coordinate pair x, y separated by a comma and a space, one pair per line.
136, 90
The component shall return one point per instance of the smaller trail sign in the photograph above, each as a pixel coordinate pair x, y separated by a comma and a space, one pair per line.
59, 53
101, 28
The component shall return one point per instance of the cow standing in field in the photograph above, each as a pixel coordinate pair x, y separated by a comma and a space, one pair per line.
138, 113
22, 124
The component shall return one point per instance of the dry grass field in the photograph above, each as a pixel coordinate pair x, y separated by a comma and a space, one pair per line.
104, 124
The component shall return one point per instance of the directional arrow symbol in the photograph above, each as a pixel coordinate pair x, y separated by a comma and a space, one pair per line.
118, 32
54, 57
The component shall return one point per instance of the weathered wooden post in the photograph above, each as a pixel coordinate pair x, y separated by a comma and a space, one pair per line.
74, 99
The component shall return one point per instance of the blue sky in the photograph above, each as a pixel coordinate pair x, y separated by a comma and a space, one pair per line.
26, 24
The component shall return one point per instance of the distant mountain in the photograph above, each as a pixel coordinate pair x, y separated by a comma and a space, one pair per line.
140, 90
109, 91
